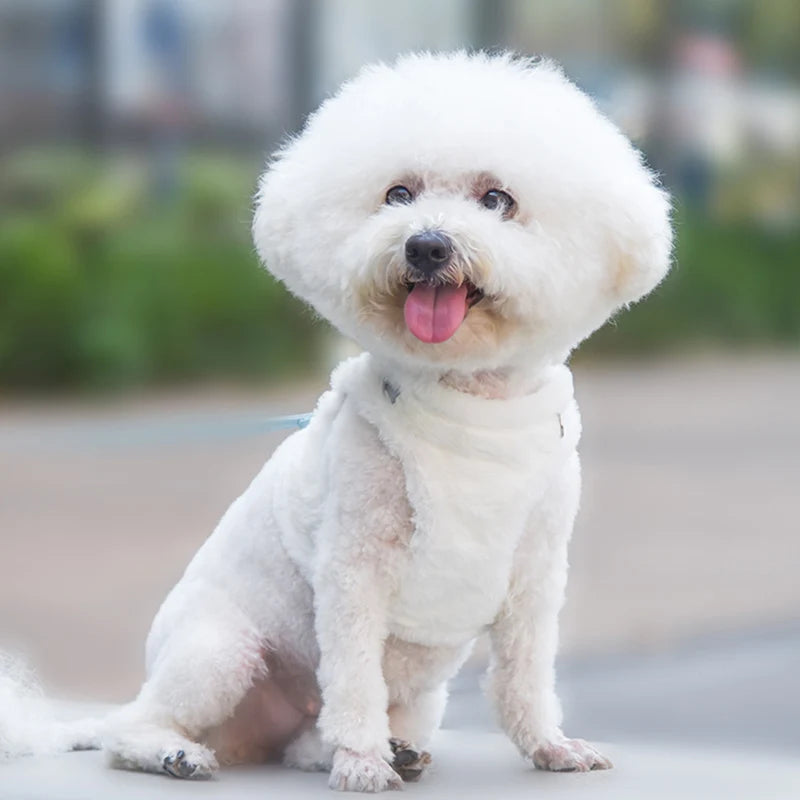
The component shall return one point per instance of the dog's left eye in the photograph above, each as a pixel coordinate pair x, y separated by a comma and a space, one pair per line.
500, 200
399, 195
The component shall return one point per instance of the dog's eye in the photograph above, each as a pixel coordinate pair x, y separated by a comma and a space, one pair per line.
498, 199
399, 195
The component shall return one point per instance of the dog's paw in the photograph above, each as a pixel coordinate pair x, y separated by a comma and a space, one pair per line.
197, 763
408, 762
569, 755
362, 772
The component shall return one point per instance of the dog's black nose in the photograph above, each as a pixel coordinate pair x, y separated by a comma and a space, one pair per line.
428, 251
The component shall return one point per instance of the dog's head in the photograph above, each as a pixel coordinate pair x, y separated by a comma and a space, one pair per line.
463, 210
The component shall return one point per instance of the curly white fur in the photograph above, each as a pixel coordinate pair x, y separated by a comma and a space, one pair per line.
433, 494
28, 725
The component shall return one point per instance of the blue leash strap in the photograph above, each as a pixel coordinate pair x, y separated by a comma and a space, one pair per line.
166, 431
288, 422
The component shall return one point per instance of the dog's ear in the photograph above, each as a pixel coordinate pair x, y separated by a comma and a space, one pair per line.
641, 240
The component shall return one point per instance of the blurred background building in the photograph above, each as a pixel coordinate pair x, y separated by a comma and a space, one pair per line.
131, 136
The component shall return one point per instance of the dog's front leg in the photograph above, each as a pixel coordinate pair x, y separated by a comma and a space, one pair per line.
350, 623
358, 549
524, 637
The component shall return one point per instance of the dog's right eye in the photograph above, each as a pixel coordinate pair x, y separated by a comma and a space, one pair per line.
399, 195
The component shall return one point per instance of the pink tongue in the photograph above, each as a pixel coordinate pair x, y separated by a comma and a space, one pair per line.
433, 313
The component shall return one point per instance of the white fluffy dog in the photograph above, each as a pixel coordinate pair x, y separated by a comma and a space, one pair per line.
468, 220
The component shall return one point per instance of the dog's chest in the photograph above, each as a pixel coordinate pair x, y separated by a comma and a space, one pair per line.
474, 469
455, 578
469, 515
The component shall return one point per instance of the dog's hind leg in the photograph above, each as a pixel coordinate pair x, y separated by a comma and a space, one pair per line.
198, 677
412, 722
416, 718
417, 678
161, 749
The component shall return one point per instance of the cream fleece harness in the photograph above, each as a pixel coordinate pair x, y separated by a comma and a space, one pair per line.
475, 468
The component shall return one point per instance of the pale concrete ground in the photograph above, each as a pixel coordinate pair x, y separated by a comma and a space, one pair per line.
467, 765
689, 523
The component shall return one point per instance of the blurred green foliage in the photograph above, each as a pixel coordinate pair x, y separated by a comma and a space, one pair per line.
103, 284
732, 283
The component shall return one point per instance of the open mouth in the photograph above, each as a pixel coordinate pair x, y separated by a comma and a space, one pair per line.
433, 313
